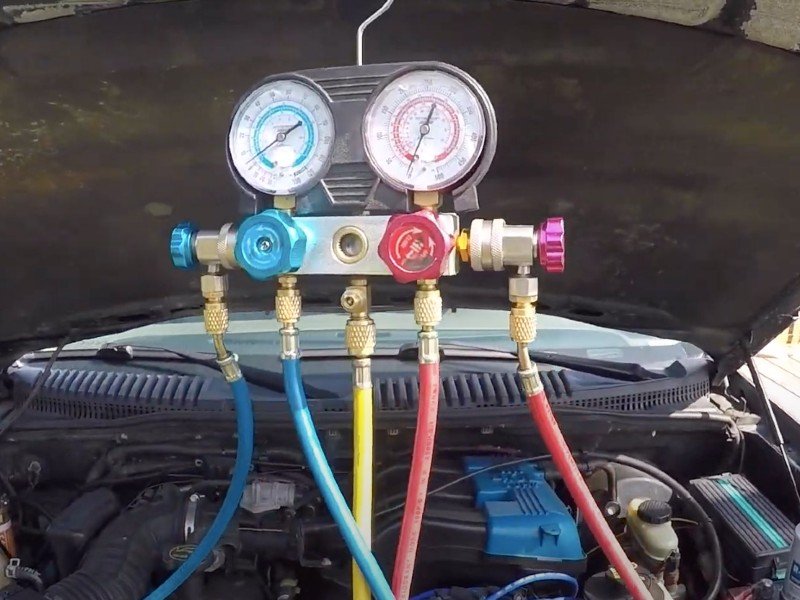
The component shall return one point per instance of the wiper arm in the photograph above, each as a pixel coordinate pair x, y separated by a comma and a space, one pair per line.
122, 353
602, 368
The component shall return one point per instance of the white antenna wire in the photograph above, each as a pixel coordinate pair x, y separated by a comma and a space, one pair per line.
361, 28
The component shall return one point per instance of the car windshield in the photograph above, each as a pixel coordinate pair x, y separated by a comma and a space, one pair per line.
254, 335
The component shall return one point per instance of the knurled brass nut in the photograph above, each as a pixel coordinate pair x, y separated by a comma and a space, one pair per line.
523, 288
427, 309
288, 308
213, 286
522, 324
360, 337
216, 318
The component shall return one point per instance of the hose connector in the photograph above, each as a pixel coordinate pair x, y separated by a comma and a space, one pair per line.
288, 305
428, 314
214, 287
359, 332
523, 292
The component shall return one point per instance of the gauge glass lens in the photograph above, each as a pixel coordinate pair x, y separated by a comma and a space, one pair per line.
424, 131
281, 138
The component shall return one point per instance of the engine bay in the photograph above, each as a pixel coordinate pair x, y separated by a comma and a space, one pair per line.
106, 519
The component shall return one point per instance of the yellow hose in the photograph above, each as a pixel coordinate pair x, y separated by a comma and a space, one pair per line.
362, 478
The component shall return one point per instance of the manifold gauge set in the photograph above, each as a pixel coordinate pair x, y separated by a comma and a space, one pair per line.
344, 170
363, 171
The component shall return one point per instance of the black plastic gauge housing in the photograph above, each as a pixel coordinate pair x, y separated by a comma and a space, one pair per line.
349, 184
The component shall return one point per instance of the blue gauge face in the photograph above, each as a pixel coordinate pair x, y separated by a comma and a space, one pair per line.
282, 137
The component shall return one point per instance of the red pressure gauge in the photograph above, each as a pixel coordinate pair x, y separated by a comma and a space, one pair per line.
415, 246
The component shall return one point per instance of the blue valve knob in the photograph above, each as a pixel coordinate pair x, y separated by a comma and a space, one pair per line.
270, 244
181, 246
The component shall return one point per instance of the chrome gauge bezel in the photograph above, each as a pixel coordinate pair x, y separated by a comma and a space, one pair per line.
475, 166
323, 149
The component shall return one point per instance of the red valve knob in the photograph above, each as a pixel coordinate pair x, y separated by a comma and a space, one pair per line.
415, 246
551, 245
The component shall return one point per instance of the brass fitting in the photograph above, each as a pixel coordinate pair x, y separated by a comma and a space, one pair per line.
428, 314
359, 332
522, 323
288, 303
427, 304
430, 200
462, 245
523, 292
285, 203
214, 287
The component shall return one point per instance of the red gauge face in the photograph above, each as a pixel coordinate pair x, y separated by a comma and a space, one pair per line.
424, 131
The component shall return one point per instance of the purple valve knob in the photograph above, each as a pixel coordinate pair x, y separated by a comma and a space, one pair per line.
551, 245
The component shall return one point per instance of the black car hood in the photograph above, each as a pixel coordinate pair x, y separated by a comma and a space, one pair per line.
672, 153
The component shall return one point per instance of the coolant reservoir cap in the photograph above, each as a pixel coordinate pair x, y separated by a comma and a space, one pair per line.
654, 512
270, 244
415, 246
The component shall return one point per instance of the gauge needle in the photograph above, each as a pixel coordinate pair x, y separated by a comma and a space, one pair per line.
424, 130
278, 138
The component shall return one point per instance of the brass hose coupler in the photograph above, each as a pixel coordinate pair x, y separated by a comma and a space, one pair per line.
214, 287
288, 305
428, 314
427, 304
523, 292
359, 331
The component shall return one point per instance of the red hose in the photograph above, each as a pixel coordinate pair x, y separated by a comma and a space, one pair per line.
418, 480
562, 457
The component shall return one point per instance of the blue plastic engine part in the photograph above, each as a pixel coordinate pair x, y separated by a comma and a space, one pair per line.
524, 516
181, 249
269, 244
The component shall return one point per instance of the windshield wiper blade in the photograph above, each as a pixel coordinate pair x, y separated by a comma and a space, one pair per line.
124, 353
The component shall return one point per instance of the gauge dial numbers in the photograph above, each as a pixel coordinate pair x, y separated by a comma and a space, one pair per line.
281, 138
424, 131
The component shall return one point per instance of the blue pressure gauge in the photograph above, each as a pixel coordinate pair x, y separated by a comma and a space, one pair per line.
281, 137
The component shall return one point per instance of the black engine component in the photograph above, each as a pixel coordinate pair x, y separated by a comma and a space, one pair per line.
120, 563
73, 528
756, 536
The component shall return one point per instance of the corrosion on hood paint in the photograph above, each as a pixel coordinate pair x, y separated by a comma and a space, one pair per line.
672, 153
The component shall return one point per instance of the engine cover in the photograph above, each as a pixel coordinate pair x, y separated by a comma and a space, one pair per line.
524, 516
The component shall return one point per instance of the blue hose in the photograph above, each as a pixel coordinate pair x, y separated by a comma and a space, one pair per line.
323, 475
537, 578
244, 456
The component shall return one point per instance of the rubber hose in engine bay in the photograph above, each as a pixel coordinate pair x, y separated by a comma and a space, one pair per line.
120, 563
